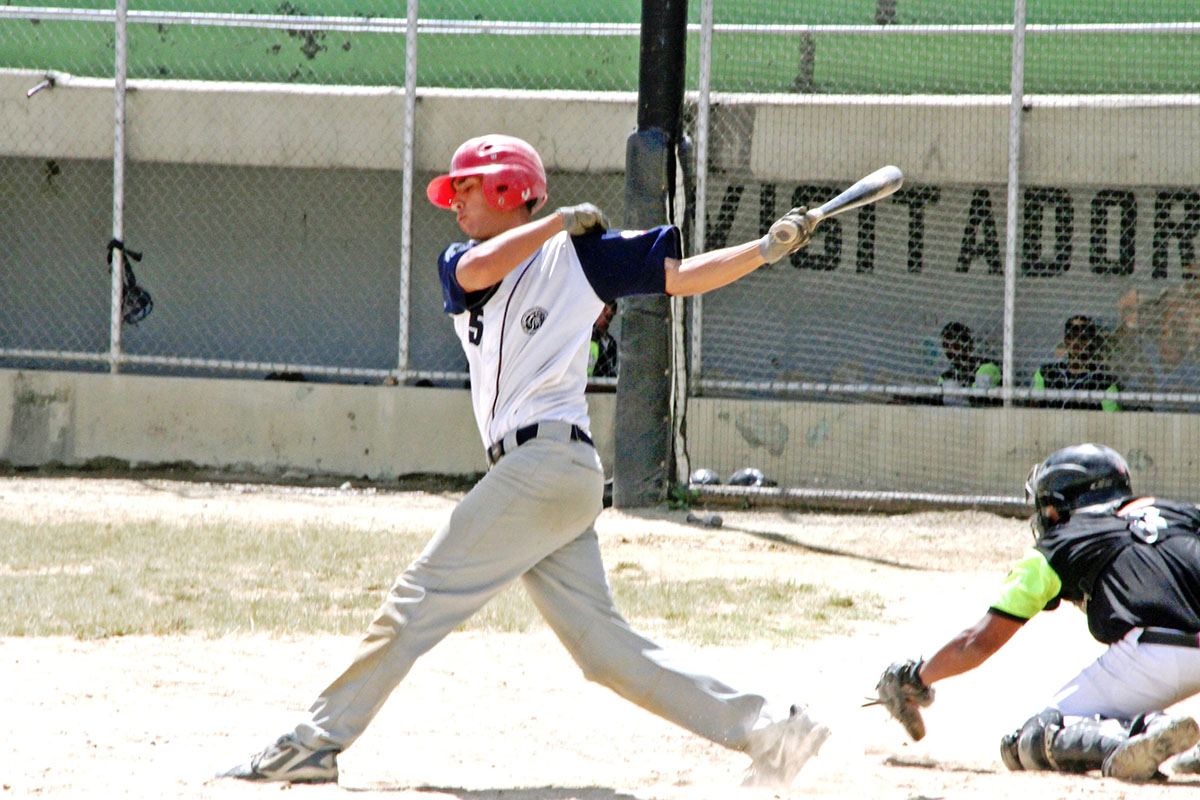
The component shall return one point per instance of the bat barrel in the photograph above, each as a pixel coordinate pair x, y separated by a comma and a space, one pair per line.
876, 186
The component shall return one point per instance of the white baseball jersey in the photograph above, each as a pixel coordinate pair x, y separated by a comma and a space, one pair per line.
526, 338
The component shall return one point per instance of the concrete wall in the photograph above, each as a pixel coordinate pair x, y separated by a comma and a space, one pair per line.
382, 432
938, 139
268, 427
955, 139
294, 125
932, 449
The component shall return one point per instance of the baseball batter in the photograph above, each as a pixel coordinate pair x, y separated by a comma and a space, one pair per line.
1133, 565
523, 294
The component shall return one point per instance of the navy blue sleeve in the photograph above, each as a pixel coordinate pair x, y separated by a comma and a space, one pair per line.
623, 263
453, 297
456, 300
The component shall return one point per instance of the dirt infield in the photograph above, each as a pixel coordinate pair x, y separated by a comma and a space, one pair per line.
508, 715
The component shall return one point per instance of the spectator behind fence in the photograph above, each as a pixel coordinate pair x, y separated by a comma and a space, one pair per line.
1156, 346
1175, 361
602, 354
1131, 348
968, 369
1081, 368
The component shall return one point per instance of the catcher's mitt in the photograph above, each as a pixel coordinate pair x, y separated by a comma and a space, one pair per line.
904, 694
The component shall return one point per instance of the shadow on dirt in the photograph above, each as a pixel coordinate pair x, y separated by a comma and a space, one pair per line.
533, 793
784, 539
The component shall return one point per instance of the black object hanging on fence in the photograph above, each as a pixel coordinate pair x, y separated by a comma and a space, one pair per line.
136, 303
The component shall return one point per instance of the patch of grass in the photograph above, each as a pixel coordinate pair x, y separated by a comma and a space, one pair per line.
704, 611
729, 611
95, 580
92, 580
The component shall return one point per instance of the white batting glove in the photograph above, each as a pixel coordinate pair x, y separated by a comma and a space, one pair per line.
583, 218
787, 235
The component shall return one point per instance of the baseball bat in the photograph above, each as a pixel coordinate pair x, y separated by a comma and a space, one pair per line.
876, 186
868, 189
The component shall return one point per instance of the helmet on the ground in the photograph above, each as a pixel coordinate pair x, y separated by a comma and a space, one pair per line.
511, 171
705, 477
1075, 477
747, 477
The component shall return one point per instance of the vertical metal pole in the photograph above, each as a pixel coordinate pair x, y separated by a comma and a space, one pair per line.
689, 311
118, 208
1015, 106
644, 435
406, 202
700, 223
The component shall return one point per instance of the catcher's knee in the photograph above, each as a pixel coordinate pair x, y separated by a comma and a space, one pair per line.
1026, 748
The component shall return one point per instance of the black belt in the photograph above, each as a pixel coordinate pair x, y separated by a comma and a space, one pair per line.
1169, 636
563, 431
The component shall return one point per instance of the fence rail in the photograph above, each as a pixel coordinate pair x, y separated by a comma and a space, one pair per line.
372, 24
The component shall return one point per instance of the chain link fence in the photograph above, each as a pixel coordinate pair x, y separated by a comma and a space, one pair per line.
274, 156
263, 175
1041, 254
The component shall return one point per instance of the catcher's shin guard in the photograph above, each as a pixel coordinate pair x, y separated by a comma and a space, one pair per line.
1043, 742
1086, 745
1025, 748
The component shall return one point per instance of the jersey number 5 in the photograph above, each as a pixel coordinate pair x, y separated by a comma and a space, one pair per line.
475, 334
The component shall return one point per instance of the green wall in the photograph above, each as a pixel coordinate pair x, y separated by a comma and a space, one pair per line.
743, 62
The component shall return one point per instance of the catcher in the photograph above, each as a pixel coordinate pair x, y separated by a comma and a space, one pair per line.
1133, 565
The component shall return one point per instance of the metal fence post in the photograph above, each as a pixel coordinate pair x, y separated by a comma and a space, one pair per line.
118, 206
1015, 110
409, 161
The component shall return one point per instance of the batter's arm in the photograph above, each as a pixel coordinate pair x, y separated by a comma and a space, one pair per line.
712, 270
970, 648
486, 264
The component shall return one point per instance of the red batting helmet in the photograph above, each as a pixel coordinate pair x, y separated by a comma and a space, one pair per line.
511, 170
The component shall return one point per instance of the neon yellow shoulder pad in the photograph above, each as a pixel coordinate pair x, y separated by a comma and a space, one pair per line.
1029, 585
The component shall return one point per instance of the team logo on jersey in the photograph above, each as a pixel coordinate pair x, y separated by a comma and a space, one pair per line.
532, 319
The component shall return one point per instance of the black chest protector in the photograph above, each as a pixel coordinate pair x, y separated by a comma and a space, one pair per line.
1137, 565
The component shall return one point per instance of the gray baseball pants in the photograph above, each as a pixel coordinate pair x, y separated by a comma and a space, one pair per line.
1131, 678
530, 517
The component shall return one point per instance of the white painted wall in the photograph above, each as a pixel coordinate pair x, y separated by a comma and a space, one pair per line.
266, 427
932, 449
382, 432
938, 139
291, 125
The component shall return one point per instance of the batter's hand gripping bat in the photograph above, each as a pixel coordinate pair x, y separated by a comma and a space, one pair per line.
876, 186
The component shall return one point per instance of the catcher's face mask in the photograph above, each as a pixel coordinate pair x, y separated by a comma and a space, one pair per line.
1040, 522
1035, 523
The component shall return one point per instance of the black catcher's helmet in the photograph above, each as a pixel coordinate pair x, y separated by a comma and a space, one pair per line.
1075, 477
